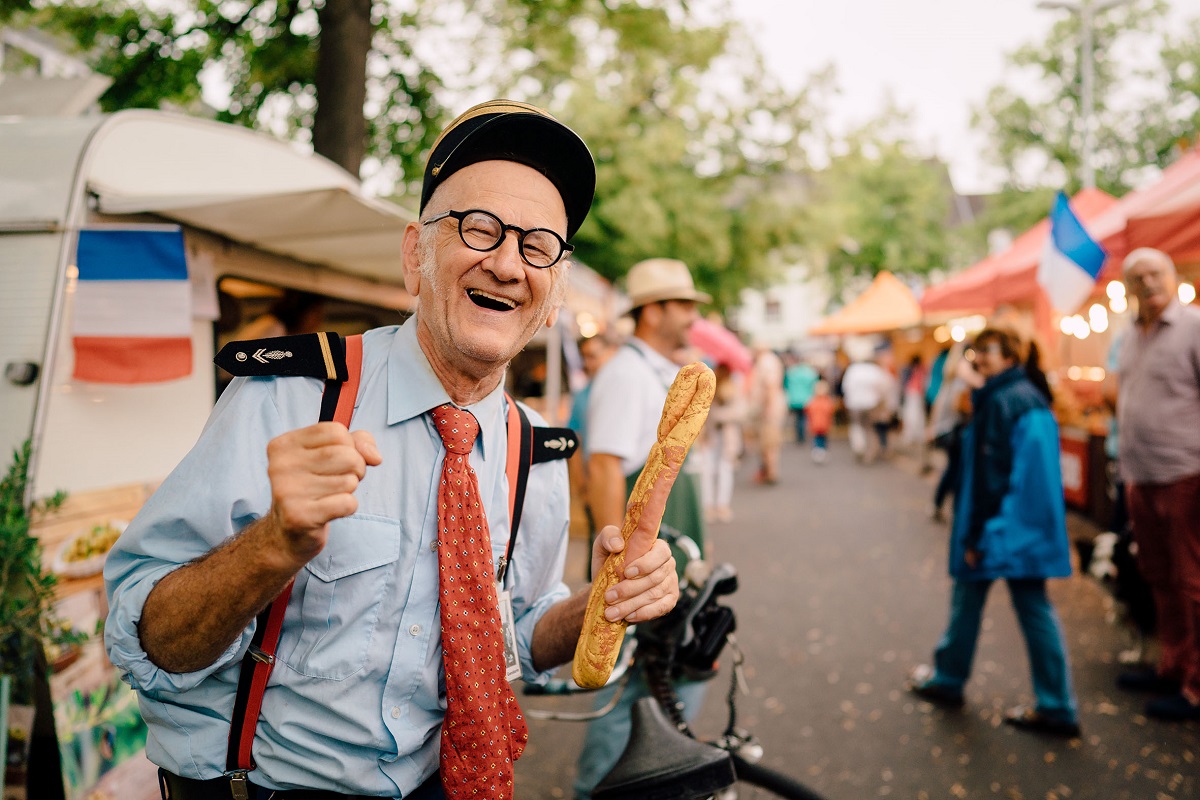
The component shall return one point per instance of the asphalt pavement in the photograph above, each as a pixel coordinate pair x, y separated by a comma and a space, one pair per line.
843, 589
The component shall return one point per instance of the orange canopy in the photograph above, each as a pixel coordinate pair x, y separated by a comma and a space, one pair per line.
1011, 276
887, 304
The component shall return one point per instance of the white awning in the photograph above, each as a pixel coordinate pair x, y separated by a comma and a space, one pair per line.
246, 186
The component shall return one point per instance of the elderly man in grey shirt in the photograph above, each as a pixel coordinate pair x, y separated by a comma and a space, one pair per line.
1158, 410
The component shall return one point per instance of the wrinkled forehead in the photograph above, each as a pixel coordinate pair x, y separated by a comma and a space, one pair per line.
505, 188
1141, 262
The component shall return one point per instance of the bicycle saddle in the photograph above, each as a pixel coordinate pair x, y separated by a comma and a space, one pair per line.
660, 763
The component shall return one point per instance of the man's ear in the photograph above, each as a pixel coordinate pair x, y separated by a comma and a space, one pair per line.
410, 262
552, 317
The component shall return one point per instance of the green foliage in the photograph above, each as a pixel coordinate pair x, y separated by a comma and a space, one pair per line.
689, 133
1037, 137
671, 96
881, 206
26, 591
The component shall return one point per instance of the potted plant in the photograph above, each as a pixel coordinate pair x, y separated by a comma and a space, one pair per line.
27, 618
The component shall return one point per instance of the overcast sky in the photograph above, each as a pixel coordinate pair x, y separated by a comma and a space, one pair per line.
937, 57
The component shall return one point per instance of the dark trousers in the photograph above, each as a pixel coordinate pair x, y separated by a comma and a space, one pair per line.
948, 483
173, 787
801, 423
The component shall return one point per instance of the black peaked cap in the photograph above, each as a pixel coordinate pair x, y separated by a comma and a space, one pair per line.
505, 130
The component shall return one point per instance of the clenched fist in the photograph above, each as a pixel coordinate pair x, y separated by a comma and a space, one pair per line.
314, 472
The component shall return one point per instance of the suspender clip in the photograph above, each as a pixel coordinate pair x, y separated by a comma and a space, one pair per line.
239, 784
261, 657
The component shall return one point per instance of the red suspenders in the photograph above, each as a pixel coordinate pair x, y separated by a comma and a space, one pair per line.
337, 404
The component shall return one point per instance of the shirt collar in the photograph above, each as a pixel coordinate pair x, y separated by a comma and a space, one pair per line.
657, 360
1172, 312
1169, 316
414, 389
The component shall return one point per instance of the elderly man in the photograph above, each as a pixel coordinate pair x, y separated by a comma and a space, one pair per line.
1158, 426
626, 403
391, 644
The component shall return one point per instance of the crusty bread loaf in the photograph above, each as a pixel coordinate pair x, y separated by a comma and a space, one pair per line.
683, 416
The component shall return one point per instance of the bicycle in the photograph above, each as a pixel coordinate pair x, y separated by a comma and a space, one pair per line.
664, 760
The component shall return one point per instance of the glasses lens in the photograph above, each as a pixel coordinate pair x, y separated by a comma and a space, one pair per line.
541, 248
480, 230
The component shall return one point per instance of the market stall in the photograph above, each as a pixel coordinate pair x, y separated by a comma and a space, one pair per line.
1009, 277
886, 305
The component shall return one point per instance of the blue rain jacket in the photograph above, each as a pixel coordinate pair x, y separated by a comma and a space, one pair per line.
1010, 507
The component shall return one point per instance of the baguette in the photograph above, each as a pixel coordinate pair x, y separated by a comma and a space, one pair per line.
683, 415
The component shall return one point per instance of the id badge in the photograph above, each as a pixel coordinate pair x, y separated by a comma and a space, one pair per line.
508, 630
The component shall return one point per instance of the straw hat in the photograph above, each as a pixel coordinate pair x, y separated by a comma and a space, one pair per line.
658, 279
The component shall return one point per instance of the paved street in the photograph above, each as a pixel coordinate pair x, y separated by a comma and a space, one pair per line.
843, 590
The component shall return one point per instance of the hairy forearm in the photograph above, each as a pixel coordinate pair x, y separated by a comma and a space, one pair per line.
557, 632
192, 615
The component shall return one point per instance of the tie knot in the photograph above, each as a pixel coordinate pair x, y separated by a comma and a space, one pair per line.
457, 428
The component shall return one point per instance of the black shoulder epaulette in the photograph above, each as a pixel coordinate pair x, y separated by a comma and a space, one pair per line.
314, 355
551, 444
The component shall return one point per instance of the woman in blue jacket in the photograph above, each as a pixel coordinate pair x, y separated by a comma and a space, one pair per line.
1009, 522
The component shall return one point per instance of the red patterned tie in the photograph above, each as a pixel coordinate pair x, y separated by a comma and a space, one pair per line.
483, 732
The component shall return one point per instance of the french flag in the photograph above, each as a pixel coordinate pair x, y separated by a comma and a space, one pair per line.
1071, 260
133, 307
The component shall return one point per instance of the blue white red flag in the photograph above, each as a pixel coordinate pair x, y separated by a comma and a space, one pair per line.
1071, 259
132, 320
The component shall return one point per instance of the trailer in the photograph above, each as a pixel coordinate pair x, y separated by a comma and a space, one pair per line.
258, 222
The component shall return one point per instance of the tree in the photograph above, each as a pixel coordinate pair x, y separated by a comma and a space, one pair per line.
296, 67
1140, 112
879, 206
671, 96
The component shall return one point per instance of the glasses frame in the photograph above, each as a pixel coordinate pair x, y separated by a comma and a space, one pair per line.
564, 247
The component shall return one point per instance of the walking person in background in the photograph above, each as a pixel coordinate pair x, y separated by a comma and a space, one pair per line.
886, 416
768, 408
912, 406
722, 445
798, 382
950, 415
1009, 523
820, 412
595, 353
1158, 428
867, 395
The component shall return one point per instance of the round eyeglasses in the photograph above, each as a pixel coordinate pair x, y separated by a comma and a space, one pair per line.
483, 231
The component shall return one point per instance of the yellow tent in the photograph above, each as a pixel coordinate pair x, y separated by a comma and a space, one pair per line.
886, 305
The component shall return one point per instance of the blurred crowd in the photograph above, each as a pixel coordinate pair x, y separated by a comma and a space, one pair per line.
986, 406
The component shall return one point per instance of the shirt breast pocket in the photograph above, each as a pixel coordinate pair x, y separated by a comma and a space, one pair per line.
336, 602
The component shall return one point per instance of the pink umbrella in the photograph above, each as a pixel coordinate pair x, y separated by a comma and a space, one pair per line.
720, 344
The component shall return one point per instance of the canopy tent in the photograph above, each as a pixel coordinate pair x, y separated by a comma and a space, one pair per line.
1165, 215
1011, 275
886, 305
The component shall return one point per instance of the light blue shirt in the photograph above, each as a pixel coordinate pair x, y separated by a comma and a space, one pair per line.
357, 697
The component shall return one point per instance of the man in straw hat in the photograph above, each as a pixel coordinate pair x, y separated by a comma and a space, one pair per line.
624, 408
390, 675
